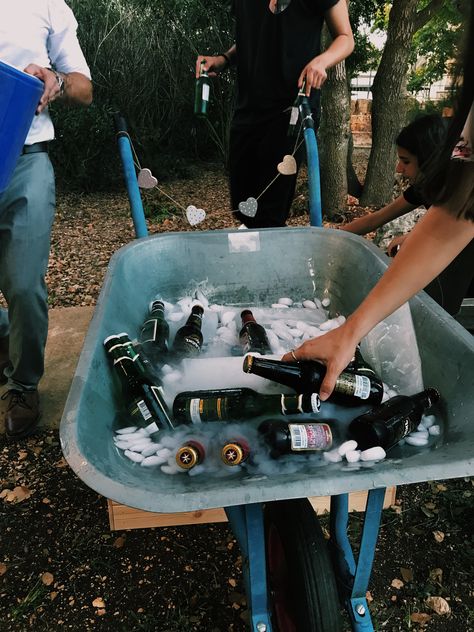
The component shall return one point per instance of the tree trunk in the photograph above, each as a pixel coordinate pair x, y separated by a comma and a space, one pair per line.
388, 106
334, 139
354, 187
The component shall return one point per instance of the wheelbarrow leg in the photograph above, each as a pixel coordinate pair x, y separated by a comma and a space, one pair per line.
247, 524
355, 576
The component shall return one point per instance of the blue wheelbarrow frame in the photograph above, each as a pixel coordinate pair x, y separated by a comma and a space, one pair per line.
246, 516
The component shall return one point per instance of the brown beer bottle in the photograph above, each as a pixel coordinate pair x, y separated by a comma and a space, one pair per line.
188, 340
352, 389
253, 336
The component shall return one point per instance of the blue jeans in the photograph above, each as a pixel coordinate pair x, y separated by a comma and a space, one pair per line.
26, 216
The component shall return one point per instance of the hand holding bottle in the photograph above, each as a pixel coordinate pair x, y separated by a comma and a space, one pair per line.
213, 65
335, 350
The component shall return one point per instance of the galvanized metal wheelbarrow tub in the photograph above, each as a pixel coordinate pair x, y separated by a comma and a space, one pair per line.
276, 265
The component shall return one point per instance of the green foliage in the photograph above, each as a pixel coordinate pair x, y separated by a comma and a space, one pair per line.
142, 58
415, 108
434, 47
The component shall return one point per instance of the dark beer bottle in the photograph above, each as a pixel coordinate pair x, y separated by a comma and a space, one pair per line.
390, 422
140, 407
239, 404
287, 438
235, 452
253, 336
202, 91
192, 453
352, 389
188, 340
154, 333
359, 365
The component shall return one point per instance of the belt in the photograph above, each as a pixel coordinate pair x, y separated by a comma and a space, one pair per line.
36, 148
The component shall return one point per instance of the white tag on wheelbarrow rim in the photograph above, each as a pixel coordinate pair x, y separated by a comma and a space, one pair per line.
294, 115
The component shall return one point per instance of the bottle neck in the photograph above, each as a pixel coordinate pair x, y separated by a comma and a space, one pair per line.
247, 317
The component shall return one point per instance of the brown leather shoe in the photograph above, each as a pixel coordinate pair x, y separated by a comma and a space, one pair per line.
21, 412
4, 358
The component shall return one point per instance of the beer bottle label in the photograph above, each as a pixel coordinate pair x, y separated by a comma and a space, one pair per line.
356, 385
291, 404
140, 408
205, 92
294, 115
310, 437
149, 329
192, 343
195, 410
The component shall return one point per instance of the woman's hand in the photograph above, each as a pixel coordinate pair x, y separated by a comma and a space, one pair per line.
335, 349
395, 245
314, 73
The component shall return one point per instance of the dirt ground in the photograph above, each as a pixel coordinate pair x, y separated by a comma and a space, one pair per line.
62, 568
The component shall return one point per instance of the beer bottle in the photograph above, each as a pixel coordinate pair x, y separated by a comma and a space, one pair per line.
352, 388
202, 90
136, 401
253, 336
192, 453
388, 423
235, 452
359, 365
154, 333
136, 380
288, 437
239, 404
188, 339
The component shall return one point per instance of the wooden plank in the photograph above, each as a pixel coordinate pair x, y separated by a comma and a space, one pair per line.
122, 517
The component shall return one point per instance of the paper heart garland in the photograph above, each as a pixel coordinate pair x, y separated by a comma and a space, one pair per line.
195, 215
146, 180
288, 166
249, 208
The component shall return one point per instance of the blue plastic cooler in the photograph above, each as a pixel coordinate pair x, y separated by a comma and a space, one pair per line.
19, 97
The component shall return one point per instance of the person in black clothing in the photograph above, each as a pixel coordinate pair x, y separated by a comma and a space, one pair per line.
417, 143
277, 47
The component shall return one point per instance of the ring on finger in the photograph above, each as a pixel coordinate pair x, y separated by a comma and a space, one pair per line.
293, 355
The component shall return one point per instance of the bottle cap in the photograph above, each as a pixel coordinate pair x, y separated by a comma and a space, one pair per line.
232, 454
187, 457
109, 338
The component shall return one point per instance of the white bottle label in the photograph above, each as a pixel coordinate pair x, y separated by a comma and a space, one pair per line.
310, 436
362, 387
194, 411
294, 115
205, 92
143, 408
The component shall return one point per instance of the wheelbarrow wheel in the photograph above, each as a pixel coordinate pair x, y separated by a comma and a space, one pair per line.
301, 579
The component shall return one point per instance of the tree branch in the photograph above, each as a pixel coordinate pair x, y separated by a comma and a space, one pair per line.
425, 15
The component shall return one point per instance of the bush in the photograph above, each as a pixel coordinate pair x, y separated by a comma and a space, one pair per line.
142, 58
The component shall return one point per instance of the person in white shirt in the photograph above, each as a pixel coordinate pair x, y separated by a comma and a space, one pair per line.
39, 38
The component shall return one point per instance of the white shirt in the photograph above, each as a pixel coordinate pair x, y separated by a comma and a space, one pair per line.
41, 32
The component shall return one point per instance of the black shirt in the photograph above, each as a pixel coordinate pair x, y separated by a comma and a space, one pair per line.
273, 49
414, 196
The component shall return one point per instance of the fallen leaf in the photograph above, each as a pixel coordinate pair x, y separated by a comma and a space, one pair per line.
420, 617
46, 501
232, 582
3, 569
22, 454
100, 612
17, 495
61, 463
53, 595
438, 605
430, 505
47, 579
368, 596
438, 536
188, 568
119, 542
407, 574
397, 583
436, 575
98, 603
440, 487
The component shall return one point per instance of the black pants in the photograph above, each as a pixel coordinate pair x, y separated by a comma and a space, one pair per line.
256, 148
455, 282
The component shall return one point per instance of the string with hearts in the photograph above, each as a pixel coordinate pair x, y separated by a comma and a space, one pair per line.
194, 215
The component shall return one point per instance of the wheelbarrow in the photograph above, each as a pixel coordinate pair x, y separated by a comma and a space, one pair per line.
286, 557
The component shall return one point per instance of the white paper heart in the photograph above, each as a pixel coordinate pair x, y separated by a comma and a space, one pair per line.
288, 166
146, 180
195, 215
249, 208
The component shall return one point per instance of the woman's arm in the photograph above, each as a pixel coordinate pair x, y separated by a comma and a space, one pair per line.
372, 221
434, 242
342, 45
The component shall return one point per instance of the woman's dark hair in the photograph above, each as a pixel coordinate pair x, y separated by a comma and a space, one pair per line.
423, 137
443, 176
